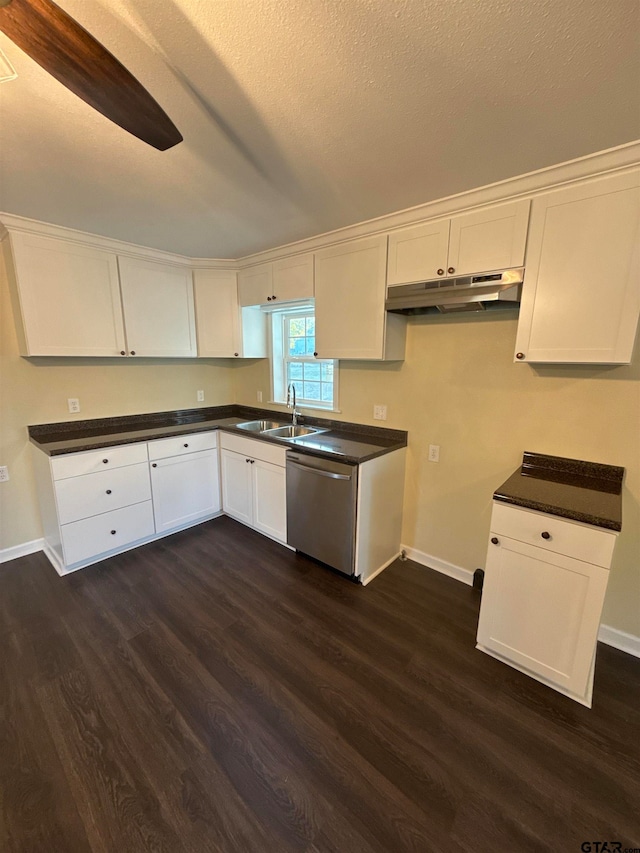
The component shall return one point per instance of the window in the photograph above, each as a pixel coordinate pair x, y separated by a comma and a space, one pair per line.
293, 361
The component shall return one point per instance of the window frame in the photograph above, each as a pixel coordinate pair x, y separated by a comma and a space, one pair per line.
280, 358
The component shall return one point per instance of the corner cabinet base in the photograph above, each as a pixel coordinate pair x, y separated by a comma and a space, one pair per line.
583, 699
62, 570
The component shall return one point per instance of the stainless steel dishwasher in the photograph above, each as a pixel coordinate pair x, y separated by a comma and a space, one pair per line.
321, 509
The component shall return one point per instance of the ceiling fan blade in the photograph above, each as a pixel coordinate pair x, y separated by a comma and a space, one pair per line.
70, 54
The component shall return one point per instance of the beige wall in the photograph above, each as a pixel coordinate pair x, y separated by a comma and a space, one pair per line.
459, 388
35, 391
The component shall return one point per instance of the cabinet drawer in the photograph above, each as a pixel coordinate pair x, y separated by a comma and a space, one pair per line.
109, 531
91, 494
262, 450
90, 461
181, 444
580, 541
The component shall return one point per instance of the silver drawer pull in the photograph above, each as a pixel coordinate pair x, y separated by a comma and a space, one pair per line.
319, 472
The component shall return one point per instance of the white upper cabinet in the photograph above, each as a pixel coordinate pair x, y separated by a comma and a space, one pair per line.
224, 329
293, 278
492, 238
581, 296
418, 253
286, 280
255, 284
351, 321
67, 296
158, 308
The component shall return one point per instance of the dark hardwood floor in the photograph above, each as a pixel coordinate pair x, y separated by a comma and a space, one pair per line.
216, 692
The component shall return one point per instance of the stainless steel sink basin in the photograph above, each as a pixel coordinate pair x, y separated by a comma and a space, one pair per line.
292, 431
259, 426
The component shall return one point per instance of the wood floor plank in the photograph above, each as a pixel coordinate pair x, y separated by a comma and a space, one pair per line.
214, 691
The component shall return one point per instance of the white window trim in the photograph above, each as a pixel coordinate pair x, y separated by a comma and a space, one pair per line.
277, 361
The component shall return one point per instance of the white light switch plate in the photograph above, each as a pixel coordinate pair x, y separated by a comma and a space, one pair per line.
434, 453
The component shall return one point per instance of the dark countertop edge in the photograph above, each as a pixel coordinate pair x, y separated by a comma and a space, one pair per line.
181, 423
571, 515
546, 466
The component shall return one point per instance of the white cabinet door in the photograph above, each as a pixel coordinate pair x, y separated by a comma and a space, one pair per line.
185, 489
255, 285
581, 293
293, 278
217, 313
269, 499
493, 238
158, 309
68, 296
541, 611
224, 329
418, 253
237, 486
350, 295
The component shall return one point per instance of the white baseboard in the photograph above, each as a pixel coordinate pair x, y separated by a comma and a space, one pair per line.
7, 554
442, 566
628, 643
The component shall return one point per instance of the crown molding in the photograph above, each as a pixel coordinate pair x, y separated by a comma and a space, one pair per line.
528, 185
10, 222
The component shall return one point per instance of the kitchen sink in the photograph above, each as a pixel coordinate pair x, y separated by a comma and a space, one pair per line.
292, 431
259, 426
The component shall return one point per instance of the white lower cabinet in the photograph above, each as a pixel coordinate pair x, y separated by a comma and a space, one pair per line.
541, 603
185, 481
254, 484
96, 503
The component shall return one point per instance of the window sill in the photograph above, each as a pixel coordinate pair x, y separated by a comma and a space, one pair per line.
306, 406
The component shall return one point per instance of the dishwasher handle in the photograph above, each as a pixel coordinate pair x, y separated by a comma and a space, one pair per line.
319, 471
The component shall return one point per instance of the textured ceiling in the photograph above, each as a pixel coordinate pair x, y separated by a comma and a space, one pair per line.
301, 116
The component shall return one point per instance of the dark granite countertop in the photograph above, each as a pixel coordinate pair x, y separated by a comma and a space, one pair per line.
589, 492
354, 443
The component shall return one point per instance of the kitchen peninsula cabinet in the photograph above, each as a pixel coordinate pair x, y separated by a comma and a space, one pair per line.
351, 321
491, 238
254, 484
286, 280
542, 597
225, 329
66, 297
581, 293
157, 300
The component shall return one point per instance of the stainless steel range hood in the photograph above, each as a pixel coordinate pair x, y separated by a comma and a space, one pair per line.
497, 289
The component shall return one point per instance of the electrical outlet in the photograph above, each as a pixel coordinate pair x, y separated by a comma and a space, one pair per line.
4, 473
200, 396
74, 404
379, 412
259, 396
434, 453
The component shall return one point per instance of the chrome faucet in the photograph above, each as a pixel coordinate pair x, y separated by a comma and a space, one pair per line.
291, 402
